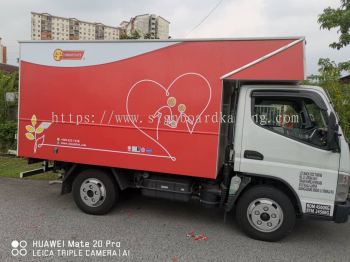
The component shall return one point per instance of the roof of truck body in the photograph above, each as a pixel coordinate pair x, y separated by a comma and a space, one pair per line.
265, 55
166, 40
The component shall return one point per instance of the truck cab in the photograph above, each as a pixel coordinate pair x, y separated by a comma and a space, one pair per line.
289, 134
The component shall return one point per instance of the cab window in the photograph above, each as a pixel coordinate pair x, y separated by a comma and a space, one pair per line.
297, 118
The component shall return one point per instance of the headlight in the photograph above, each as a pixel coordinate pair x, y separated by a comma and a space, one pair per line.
342, 188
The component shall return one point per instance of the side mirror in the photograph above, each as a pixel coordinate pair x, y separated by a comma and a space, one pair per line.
332, 133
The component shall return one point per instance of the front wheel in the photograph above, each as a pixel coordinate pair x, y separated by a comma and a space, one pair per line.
95, 192
265, 213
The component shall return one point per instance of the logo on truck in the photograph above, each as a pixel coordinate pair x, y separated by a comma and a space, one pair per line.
59, 54
35, 133
172, 108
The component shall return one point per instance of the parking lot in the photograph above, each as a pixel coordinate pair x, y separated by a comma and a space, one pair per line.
153, 229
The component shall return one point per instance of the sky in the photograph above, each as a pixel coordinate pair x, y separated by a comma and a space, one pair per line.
232, 18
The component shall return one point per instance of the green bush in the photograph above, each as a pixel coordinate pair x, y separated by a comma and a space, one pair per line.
8, 83
8, 128
8, 131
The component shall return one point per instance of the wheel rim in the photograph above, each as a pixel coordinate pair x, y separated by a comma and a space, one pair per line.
265, 215
92, 192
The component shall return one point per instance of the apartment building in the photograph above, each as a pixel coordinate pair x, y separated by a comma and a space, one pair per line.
3, 53
49, 27
162, 29
147, 25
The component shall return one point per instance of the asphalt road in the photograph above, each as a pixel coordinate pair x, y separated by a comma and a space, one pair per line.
152, 230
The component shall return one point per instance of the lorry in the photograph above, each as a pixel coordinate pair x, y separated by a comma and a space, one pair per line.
225, 122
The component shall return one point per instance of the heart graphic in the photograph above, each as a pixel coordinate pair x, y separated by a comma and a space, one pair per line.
182, 102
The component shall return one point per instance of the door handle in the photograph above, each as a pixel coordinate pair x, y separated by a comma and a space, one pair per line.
253, 155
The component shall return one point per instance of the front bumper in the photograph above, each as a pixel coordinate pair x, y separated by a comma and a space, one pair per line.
341, 212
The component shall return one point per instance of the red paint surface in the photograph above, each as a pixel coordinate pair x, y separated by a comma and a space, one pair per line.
93, 90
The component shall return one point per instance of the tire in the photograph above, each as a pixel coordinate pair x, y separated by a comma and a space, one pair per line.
265, 213
95, 192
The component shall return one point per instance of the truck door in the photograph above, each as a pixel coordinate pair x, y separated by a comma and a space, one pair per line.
284, 136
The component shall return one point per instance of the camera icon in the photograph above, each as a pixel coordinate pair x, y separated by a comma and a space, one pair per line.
19, 248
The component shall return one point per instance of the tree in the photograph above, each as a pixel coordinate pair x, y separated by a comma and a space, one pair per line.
8, 83
123, 35
8, 129
134, 35
329, 71
147, 36
337, 18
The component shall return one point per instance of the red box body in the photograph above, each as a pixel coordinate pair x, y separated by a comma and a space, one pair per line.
144, 105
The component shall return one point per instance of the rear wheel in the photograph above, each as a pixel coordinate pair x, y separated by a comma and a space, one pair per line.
265, 213
95, 192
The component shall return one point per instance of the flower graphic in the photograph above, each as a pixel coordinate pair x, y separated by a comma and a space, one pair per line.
35, 133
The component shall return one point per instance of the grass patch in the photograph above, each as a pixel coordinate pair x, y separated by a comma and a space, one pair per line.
11, 166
